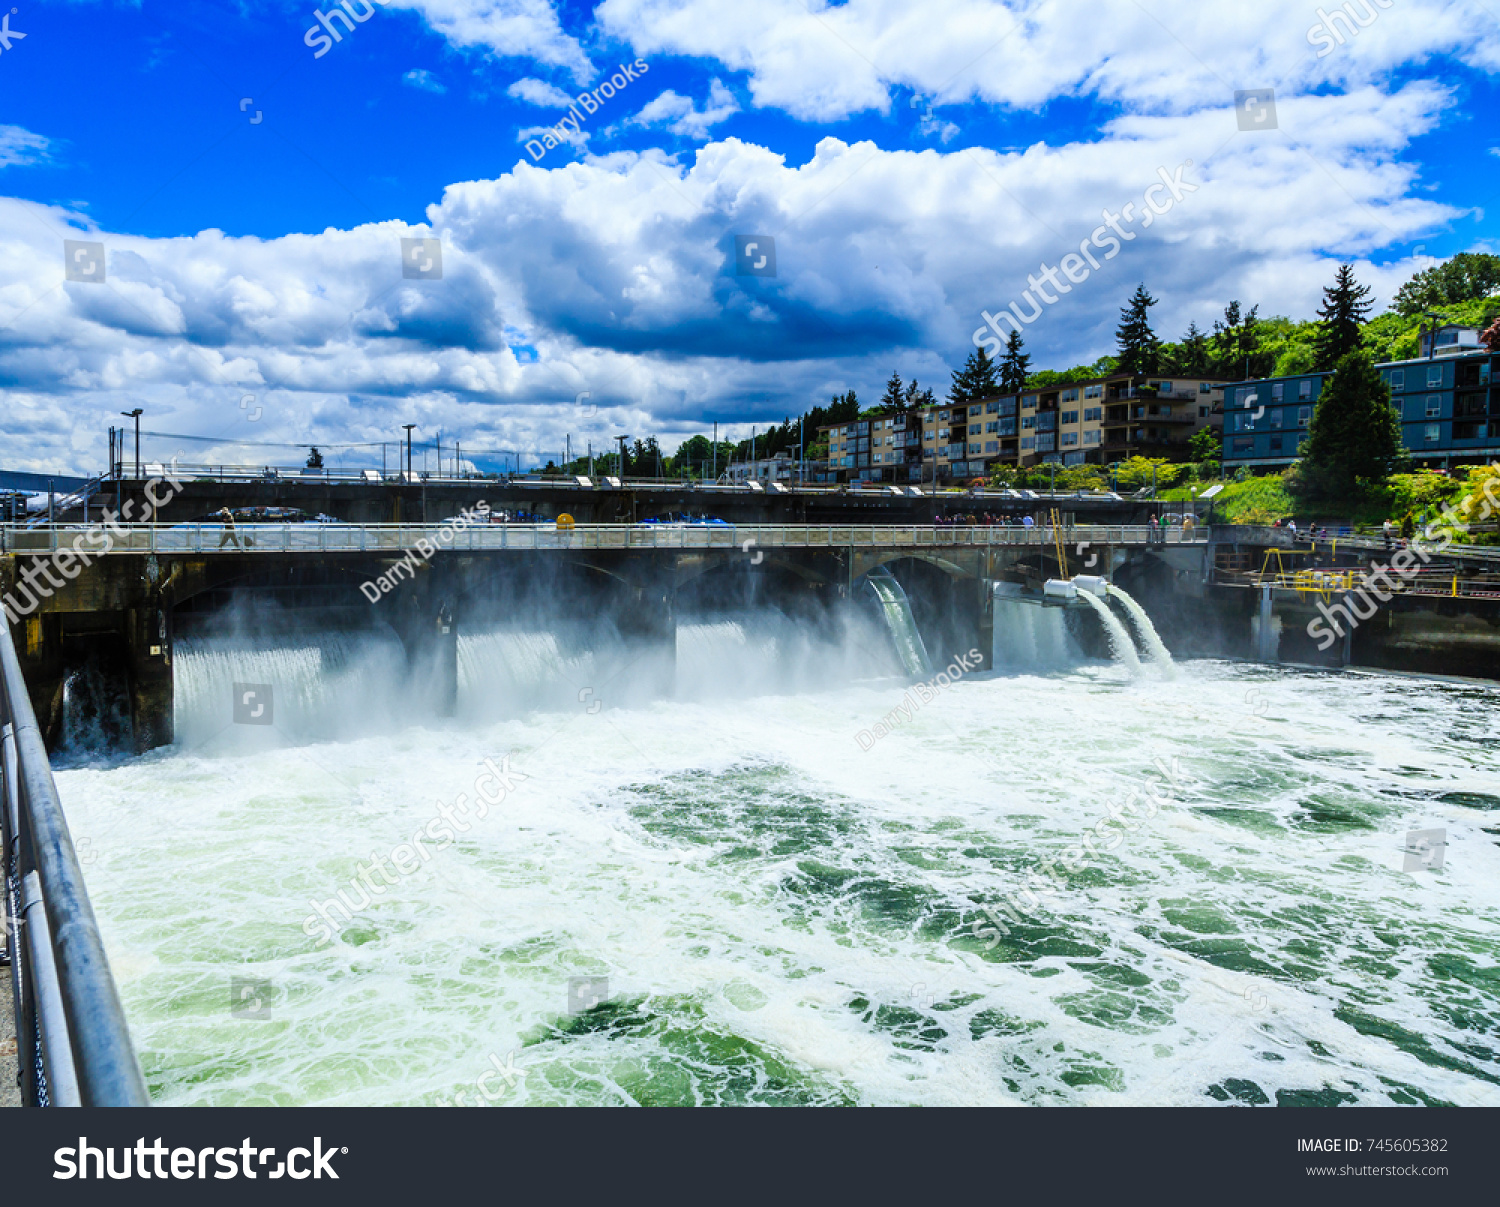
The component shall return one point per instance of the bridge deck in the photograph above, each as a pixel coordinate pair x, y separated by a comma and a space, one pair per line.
208, 539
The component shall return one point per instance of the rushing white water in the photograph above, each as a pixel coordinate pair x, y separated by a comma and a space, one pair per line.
903, 626
1145, 630
784, 917
326, 683
1120, 644
1027, 636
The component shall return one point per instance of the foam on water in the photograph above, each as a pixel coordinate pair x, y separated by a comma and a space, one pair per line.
785, 917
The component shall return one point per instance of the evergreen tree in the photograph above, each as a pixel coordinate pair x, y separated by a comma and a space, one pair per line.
1193, 357
890, 401
1140, 352
1344, 310
916, 398
314, 458
1014, 366
1355, 438
1236, 342
977, 379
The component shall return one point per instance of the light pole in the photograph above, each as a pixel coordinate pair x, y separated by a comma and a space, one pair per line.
136, 415
408, 427
622, 440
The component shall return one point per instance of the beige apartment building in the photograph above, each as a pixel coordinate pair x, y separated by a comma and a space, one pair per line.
1095, 422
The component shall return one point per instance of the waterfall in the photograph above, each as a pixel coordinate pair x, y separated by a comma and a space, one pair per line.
324, 683
95, 712
1155, 650
1119, 640
504, 670
1029, 637
902, 624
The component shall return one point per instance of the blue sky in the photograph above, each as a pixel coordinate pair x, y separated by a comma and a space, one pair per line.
914, 164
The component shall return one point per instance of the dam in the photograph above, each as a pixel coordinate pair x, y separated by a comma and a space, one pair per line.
586, 815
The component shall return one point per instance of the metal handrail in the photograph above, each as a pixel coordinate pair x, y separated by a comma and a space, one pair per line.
71, 1037
361, 538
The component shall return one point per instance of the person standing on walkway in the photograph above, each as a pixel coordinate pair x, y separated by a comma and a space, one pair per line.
229, 537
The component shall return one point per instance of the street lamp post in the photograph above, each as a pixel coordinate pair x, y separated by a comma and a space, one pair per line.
408, 427
136, 415
622, 440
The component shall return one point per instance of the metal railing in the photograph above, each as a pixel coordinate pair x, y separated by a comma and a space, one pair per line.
72, 1042
209, 539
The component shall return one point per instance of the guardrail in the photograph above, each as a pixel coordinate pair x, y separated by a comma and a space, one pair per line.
210, 539
72, 1043
1431, 583
1301, 542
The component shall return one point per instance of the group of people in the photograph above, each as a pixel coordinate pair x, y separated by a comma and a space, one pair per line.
972, 520
1315, 532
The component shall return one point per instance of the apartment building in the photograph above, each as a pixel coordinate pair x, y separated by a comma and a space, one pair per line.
880, 448
1448, 405
1091, 422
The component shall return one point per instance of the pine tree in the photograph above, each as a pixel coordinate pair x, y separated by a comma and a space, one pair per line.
1236, 341
1139, 349
1344, 310
1355, 437
1193, 357
986, 381
975, 380
1015, 366
916, 398
890, 401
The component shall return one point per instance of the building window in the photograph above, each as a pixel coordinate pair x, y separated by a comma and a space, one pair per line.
1028, 442
992, 446
1205, 387
1244, 444
1304, 416
993, 426
1029, 402
1070, 416
1434, 405
1092, 437
1202, 412
1028, 421
1070, 437
1276, 389
1434, 375
1093, 391
1070, 395
942, 433
1304, 389
991, 408
1275, 444
1093, 414
974, 410
1396, 379
1431, 431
